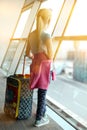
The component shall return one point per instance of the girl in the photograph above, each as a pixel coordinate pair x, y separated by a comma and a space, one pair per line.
39, 49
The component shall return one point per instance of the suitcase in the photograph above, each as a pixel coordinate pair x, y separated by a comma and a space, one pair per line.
18, 97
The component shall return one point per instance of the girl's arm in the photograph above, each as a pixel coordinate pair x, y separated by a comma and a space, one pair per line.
48, 43
28, 52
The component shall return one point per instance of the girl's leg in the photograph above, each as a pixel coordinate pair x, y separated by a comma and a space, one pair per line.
41, 104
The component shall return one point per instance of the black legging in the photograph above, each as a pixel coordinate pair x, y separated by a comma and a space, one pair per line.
41, 104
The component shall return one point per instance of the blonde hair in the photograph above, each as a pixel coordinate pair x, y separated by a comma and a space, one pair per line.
43, 20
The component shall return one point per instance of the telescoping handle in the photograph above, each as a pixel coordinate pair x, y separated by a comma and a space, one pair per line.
25, 75
23, 65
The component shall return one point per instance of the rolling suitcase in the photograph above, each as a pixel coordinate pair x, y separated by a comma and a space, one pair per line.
18, 97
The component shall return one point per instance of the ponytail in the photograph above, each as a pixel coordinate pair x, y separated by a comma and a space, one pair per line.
43, 20
39, 29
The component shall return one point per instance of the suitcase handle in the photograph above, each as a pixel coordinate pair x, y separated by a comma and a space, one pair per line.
25, 75
23, 65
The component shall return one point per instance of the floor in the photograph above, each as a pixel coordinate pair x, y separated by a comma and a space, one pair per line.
67, 94
7, 123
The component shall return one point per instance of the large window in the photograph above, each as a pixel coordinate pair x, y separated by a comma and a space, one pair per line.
69, 32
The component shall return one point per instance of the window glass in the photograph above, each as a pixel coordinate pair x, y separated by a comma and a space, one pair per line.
78, 21
55, 5
21, 24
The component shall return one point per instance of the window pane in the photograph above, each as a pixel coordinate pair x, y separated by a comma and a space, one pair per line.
21, 24
55, 5
78, 22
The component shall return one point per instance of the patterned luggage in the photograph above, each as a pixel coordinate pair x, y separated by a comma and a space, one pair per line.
18, 97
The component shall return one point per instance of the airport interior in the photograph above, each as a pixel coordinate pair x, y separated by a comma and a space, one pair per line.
67, 94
